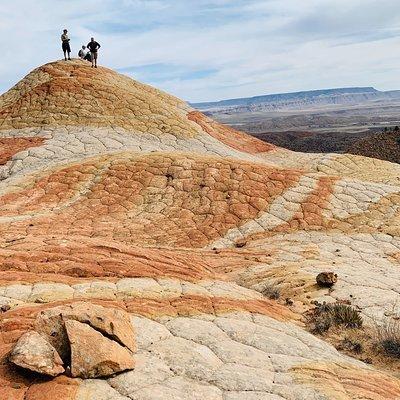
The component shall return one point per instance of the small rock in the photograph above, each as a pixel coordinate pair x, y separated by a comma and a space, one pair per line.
16, 386
288, 301
33, 352
326, 279
5, 307
94, 355
240, 243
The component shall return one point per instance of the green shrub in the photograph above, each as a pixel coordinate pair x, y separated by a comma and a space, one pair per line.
346, 315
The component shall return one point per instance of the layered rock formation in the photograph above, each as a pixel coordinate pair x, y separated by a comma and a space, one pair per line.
122, 196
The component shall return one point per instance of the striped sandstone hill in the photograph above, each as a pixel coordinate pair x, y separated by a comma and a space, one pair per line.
115, 193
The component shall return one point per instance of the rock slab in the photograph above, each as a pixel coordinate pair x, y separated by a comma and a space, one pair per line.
112, 322
94, 355
33, 352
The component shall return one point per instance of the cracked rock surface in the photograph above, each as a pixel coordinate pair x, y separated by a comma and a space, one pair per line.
117, 197
94, 355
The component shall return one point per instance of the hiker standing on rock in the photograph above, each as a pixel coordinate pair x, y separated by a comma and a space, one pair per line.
93, 46
65, 45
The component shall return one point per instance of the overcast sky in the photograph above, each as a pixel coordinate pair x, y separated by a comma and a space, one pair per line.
205, 50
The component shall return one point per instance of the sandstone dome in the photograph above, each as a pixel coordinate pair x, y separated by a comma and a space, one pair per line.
118, 194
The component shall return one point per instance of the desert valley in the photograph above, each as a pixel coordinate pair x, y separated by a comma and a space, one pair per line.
333, 120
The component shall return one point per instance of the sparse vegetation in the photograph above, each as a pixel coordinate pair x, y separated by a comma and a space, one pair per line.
351, 345
388, 337
325, 316
271, 291
346, 315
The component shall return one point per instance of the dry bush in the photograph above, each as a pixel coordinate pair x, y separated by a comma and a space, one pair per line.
388, 337
325, 316
351, 345
271, 291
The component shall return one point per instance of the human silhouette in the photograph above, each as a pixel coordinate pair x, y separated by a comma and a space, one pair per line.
93, 46
65, 45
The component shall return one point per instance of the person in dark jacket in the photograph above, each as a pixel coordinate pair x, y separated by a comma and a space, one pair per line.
93, 46
66, 48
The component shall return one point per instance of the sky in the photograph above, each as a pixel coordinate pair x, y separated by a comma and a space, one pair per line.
205, 50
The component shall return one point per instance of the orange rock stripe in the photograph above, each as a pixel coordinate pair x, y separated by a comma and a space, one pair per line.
46, 193
80, 267
312, 208
310, 216
229, 136
13, 145
72, 262
202, 201
339, 381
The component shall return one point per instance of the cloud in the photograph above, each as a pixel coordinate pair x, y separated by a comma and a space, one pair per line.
213, 49
164, 72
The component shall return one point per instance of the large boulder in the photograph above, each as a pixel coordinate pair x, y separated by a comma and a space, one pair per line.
92, 340
94, 355
111, 322
35, 353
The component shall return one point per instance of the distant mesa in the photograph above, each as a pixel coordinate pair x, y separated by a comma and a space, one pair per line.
281, 101
332, 120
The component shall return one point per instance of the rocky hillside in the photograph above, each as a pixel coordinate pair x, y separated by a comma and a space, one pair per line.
384, 145
311, 141
148, 252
